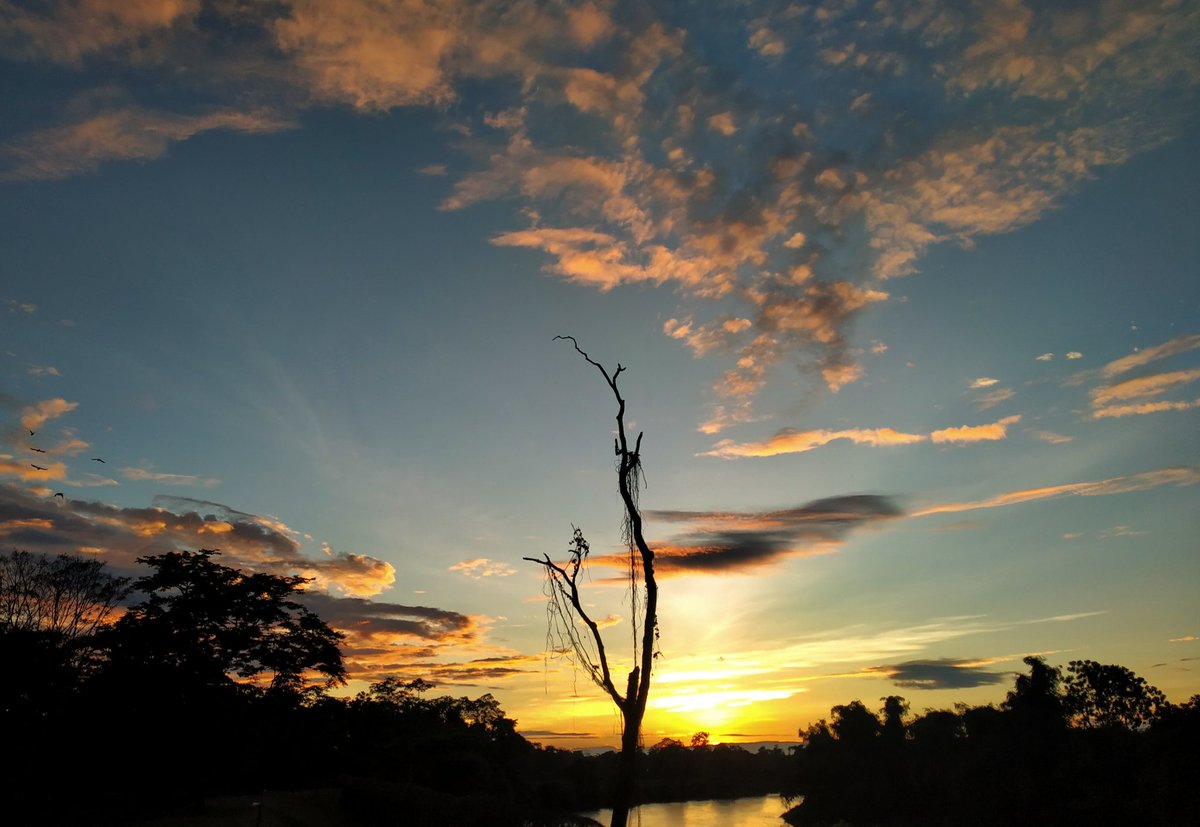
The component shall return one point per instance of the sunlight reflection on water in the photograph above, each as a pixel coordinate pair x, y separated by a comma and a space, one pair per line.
741, 812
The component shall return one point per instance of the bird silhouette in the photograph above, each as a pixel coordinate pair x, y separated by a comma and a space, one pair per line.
40, 468
59, 494
38, 450
31, 432
97, 459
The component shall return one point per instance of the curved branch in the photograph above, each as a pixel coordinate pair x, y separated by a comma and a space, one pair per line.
604, 680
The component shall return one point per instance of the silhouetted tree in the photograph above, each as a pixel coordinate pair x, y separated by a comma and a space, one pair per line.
1100, 695
566, 608
894, 710
209, 623
65, 597
1036, 699
50, 609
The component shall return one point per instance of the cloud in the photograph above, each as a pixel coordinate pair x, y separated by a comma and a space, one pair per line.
975, 433
983, 382
42, 370
1052, 438
1137, 396
994, 398
791, 441
384, 639
144, 475
122, 534
35, 416
722, 122
124, 133
725, 542
1045, 357
1180, 475
944, 673
483, 567
27, 471
614, 139
1142, 386
1145, 356
1141, 408
70, 31
1074, 354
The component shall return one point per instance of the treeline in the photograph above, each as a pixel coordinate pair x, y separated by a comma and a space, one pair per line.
214, 682
1092, 745
127, 699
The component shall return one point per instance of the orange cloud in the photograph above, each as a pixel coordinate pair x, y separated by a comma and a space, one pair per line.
722, 122
1142, 386
1143, 408
1176, 475
27, 471
790, 441
68, 32
1145, 356
35, 416
123, 134
976, 433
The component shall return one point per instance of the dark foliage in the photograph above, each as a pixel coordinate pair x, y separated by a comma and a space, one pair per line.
1098, 747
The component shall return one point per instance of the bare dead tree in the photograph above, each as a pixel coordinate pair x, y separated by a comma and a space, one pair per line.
567, 612
65, 598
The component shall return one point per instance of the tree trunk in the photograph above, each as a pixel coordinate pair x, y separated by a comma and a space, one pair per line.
625, 795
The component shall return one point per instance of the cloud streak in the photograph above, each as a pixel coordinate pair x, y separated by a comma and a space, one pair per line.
1179, 476
727, 542
790, 441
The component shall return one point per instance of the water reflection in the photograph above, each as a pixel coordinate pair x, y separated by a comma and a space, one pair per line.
761, 811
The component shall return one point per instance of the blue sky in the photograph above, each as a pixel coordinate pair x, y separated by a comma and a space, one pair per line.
906, 293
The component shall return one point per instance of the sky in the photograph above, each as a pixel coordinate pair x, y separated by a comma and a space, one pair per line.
905, 292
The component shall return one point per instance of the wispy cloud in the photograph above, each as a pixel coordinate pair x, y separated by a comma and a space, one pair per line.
991, 399
37, 415
69, 32
126, 133
1140, 408
724, 542
1145, 356
145, 475
1143, 386
1140, 395
1052, 437
483, 567
1181, 475
790, 441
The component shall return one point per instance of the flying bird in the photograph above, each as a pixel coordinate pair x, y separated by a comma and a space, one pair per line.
31, 431
39, 450
59, 494
97, 459
40, 468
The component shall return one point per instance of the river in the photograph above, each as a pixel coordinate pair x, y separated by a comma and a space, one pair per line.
760, 811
